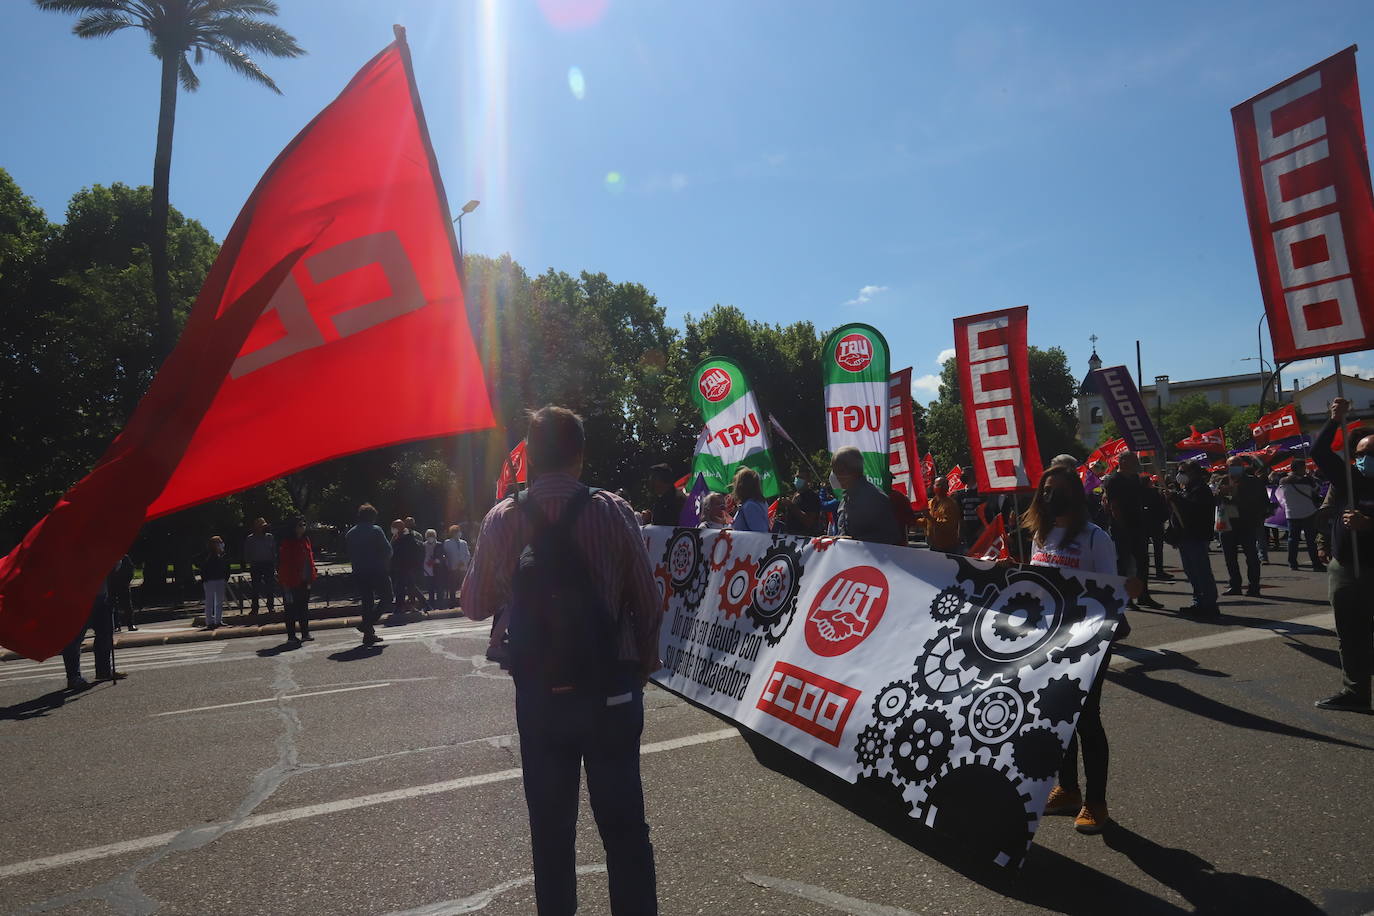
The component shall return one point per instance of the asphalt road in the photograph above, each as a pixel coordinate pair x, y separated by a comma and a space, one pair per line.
230, 777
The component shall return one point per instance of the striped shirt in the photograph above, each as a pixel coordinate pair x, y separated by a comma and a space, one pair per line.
612, 548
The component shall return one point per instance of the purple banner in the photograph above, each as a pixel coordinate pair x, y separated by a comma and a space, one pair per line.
1133, 422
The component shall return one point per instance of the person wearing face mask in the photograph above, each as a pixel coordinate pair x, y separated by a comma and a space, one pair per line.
1193, 508
214, 573
1298, 494
1350, 572
1126, 499
865, 513
1061, 535
1247, 504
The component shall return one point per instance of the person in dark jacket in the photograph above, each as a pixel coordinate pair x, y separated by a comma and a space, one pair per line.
296, 572
214, 576
260, 553
1193, 507
668, 499
865, 513
369, 552
101, 621
1247, 506
120, 585
1350, 572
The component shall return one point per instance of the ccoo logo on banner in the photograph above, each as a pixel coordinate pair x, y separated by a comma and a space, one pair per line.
949, 686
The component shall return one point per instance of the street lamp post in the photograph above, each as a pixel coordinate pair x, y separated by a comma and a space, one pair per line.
458, 221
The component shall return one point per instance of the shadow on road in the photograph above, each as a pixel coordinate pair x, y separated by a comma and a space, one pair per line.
1198, 881
273, 651
357, 653
41, 706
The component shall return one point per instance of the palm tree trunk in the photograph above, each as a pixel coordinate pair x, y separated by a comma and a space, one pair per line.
162, 175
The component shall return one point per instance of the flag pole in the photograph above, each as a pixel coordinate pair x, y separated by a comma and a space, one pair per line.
1345, 460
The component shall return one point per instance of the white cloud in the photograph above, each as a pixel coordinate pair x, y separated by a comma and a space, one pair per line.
945, 356
866, 294
926, 384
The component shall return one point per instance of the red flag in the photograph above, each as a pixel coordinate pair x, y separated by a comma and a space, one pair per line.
928, 470
992, 543
513, 472
1211, 441
1280, 424
902, 452
1305, 174
338, 276
773, 512
955, 478
995, 384
1350, 429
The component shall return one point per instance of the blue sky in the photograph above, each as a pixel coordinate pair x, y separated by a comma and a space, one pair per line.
896, 163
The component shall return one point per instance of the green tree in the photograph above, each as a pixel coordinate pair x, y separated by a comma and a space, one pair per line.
228, 29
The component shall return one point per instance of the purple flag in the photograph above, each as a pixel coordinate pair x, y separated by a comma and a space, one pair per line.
1133, 422
692, 509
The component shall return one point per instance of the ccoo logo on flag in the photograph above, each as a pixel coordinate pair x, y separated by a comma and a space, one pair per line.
854, 352
846, 610
714, 384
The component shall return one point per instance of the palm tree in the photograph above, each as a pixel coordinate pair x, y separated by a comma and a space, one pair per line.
228, 29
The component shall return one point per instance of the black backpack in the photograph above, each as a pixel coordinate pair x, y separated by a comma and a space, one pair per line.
560, 633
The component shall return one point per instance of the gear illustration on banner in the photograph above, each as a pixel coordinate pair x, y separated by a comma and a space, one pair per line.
1085, 639
940, 669
776, 586
1017, 616
737, 590
721, 549
921, 745
868, 750
891, 702
980, 803
1037, 752
687, 566
665, 587
995, 715
949, 603
1060, 700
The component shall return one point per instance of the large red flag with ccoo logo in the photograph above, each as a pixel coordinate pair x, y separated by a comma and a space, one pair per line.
332, 322
1305, 173
994, 381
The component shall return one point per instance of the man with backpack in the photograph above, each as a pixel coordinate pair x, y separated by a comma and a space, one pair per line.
565, 572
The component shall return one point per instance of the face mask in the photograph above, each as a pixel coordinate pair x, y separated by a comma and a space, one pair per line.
1365, 465
1182, 479
1235, 472
798, 483
835, 482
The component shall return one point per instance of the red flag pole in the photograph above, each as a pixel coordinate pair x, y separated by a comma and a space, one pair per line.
1345, 460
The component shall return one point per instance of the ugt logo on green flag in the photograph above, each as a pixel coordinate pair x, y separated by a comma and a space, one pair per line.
734, 435
854, 359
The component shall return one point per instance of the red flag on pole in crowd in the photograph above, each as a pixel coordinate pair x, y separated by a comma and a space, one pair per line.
992, 543
903, 456
1352, 430
343, 257
513, 472
1304, 171
955, 478
1280, 424
1211, 441
928, 470
995, 382
773, 511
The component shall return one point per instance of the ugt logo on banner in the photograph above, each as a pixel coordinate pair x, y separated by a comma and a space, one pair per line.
846, 610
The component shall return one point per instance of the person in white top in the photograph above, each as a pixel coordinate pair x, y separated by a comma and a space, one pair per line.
457, 556
1300, 498
1062, 536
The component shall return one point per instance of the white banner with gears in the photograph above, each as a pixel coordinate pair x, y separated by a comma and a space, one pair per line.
949, 685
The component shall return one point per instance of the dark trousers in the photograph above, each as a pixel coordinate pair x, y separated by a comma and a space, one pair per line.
1132, 558
1092, 738
263, 583
374, 591
1305, 528
1241, 539
1157, 540
102, 622
559, 734
406, 590
297, 604
122, 603
1197, 566
1352, 601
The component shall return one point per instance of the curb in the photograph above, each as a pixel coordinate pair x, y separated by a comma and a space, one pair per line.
138, 640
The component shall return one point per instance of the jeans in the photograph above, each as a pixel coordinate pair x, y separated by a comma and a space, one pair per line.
1306, 528
1241, 538
1197, 566
264, 583
214, 602
1091, 736
1352, 601
559, 734
297, 604
102, 622
370, 586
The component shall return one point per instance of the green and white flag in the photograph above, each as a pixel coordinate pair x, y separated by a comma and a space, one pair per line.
854, 359
734, 434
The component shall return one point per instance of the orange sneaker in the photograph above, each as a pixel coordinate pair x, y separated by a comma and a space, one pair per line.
1092, 818
1063, 801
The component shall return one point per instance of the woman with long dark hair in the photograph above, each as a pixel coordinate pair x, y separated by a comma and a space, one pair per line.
1062, 535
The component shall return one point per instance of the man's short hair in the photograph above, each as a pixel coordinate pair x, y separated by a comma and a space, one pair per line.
367, 514
850, 460
555, 439
662, 473
1064, 461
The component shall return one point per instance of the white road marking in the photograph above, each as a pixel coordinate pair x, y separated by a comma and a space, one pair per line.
291, 696
287, 815
479, 900
851, 905
1122, 655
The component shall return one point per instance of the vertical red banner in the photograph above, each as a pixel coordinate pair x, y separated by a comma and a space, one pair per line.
903, 457
1305, 173
994, 379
